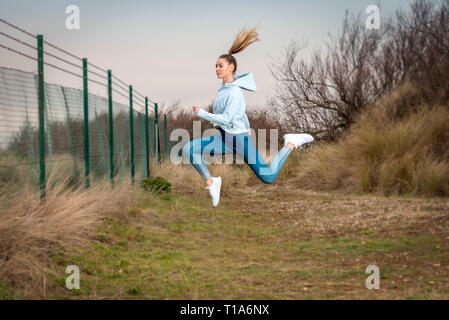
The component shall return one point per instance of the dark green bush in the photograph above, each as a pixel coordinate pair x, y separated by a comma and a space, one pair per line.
156, 184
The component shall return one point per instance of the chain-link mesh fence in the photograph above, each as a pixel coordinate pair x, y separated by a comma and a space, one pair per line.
88, 136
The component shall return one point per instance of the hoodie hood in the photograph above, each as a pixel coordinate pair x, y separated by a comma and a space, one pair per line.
244, 81
229, 105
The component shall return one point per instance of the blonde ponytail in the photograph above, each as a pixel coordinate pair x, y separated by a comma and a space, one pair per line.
243, 39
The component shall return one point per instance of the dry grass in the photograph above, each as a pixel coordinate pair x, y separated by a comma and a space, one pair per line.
394, 148
263, 241
268, 242
33, 230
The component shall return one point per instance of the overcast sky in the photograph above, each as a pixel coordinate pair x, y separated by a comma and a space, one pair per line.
168, 49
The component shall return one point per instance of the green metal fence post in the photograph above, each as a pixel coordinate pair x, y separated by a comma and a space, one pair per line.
151, 130
86, 124
131, 132
111, 129
147, 140
40, 67
165, 136
156, 135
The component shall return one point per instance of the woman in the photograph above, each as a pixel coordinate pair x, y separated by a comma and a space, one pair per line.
230, 118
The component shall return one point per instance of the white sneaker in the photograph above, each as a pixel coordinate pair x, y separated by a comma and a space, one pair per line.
214, 190
297, 139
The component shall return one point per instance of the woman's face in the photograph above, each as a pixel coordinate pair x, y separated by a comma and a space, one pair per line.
223, 69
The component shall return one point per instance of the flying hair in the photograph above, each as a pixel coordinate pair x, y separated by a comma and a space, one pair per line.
243, 39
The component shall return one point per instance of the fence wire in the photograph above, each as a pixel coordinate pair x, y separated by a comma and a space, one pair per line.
64, 130
67, 152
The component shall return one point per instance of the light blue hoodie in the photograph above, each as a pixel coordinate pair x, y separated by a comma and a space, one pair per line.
229, 105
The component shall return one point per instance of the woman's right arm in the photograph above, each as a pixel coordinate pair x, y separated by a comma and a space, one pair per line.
233, 104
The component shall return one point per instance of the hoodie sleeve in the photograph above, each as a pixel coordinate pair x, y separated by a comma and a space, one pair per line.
233, 104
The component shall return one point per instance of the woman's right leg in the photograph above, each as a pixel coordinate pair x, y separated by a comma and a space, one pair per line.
194, 149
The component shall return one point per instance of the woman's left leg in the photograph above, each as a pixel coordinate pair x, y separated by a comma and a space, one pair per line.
267, 173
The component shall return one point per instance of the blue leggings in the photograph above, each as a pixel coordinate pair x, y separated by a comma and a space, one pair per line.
239, 144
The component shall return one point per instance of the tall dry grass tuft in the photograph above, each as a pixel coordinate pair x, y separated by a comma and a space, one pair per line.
396, 146
33, 230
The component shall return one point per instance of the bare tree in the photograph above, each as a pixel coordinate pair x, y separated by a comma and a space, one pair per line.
322, 96
423, 42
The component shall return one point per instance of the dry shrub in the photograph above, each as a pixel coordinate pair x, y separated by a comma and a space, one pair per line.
32, 230
396, 146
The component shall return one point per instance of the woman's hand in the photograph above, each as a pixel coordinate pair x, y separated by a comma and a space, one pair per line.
195, 110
